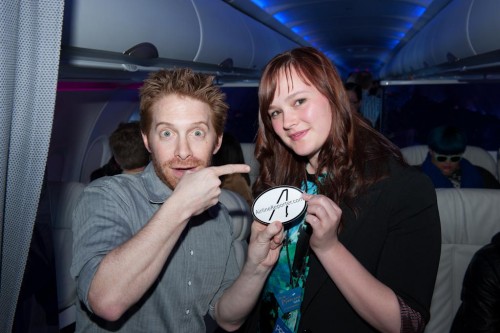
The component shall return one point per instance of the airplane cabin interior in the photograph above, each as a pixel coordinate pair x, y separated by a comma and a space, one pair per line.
436, 62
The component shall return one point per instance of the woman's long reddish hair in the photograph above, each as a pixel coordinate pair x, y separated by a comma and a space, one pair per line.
352, 141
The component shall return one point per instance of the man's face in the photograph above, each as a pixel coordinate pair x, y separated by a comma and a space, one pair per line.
181, 139
448, 164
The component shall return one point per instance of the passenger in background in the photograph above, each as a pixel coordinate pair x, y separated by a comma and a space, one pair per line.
128, 152
128, 148
355, 95
153, 251
355, 263
446, 166
230, 152
371, 101
109, 169
480, 308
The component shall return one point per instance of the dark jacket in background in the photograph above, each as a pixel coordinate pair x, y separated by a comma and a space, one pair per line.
480, 308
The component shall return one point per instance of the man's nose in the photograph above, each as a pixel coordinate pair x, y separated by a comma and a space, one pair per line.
183, 149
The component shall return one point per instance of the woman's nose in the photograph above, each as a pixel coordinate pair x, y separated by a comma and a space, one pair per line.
289, 119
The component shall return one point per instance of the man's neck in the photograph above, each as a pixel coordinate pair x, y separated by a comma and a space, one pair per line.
133, 171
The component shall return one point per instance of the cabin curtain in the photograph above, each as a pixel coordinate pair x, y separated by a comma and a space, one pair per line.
30, 40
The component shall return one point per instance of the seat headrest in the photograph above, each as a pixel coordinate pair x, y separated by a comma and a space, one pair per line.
415, 155
239, 211
248, 154
468, 216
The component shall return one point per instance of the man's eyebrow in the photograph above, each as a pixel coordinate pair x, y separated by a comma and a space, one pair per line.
166, 123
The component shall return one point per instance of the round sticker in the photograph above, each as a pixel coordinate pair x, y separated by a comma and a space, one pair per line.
280, 203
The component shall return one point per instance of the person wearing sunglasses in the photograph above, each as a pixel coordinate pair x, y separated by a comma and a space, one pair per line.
447, 167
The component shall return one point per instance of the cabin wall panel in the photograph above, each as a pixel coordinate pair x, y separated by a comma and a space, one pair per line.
83, 121
74, 117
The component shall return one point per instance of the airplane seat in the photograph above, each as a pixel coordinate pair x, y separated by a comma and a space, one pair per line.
241, 219
248, 154
469, 219
415, 155
498, 163
63, 197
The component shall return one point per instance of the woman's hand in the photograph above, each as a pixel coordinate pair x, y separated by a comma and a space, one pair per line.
265, 244
324, 216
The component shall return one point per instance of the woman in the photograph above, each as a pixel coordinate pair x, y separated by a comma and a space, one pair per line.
365, 257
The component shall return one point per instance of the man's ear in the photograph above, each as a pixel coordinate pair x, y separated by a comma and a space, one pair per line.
145, 140
217, 144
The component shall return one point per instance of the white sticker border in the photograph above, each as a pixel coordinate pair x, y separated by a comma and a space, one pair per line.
278, 188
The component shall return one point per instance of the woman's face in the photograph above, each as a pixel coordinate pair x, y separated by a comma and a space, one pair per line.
301, 116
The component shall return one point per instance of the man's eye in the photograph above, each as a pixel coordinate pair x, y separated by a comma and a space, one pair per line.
166, 134
198, 133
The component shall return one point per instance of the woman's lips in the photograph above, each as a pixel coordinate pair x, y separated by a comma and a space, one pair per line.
298, 135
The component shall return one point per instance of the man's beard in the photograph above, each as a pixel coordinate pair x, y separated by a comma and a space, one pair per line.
164, 171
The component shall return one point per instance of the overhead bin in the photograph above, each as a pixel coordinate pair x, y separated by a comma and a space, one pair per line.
206, 32
463, 30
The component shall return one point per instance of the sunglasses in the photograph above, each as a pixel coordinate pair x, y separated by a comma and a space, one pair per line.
447, 158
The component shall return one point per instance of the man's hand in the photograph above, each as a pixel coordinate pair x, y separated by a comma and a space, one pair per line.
200, 190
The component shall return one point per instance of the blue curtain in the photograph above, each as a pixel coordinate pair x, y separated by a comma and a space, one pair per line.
30, 39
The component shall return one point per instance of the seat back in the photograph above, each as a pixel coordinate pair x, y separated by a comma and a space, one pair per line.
63, 197
498, 163
248, 154
415, 155
241, 218
469, 219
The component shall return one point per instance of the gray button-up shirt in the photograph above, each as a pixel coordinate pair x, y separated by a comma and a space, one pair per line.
199, 269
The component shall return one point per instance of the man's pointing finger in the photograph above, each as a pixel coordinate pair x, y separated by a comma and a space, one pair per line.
230, 168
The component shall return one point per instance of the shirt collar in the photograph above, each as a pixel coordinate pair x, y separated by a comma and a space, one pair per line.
157, 191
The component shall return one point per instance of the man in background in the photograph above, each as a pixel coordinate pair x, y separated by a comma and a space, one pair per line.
128, 148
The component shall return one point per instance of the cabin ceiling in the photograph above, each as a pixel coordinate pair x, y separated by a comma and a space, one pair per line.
355, 34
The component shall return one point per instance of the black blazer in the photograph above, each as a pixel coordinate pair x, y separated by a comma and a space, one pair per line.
396, 237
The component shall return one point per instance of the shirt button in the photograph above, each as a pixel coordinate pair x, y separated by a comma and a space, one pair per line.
191, 252
189, 283
187, 311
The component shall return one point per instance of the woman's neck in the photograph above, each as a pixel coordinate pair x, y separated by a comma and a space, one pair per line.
310, 168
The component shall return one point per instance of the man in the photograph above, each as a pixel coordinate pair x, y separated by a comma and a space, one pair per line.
153, 251
128, 149
370, 102
445, 165
355, 95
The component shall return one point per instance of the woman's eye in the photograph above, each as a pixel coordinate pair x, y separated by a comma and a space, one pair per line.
300, 101
166, 134
274, 114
